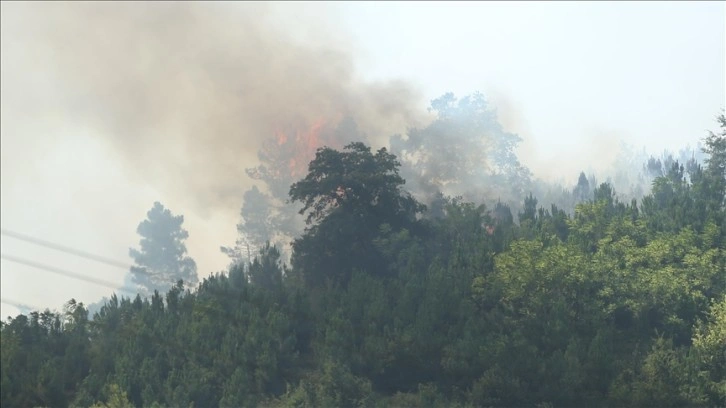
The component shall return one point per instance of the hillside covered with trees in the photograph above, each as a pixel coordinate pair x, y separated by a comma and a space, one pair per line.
389, 302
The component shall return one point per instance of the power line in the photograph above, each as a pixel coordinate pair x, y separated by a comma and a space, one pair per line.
13, 302
70, 274
65, 249
198, 303
58, 271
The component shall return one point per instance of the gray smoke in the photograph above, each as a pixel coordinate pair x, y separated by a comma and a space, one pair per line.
188, 92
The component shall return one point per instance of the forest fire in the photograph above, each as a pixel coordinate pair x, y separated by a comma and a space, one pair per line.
297, 148
285, 156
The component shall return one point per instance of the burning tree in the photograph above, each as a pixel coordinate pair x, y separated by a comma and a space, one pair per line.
266, 214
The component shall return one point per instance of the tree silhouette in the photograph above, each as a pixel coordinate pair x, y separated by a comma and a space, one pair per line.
161, 260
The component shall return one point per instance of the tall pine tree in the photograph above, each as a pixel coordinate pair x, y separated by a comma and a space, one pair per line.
162, 259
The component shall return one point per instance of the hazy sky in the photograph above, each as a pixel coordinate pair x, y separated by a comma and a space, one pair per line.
650, 73
574, 79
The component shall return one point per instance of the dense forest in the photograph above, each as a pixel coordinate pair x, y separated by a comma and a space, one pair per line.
394, 300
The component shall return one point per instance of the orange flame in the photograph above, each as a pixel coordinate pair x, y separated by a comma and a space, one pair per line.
291, 151
281, 138
306, 143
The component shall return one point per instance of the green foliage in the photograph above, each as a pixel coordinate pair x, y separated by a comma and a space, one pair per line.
347, 197
620, 304
266, 270
709, 347
116, 399
332, 386
353, 181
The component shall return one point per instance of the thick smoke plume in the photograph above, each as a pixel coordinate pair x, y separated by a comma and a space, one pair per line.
201, 101
188, 92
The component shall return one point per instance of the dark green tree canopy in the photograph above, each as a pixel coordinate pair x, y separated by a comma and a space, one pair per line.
355, 181
621, 304
716, 162
347, 196
266, 270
